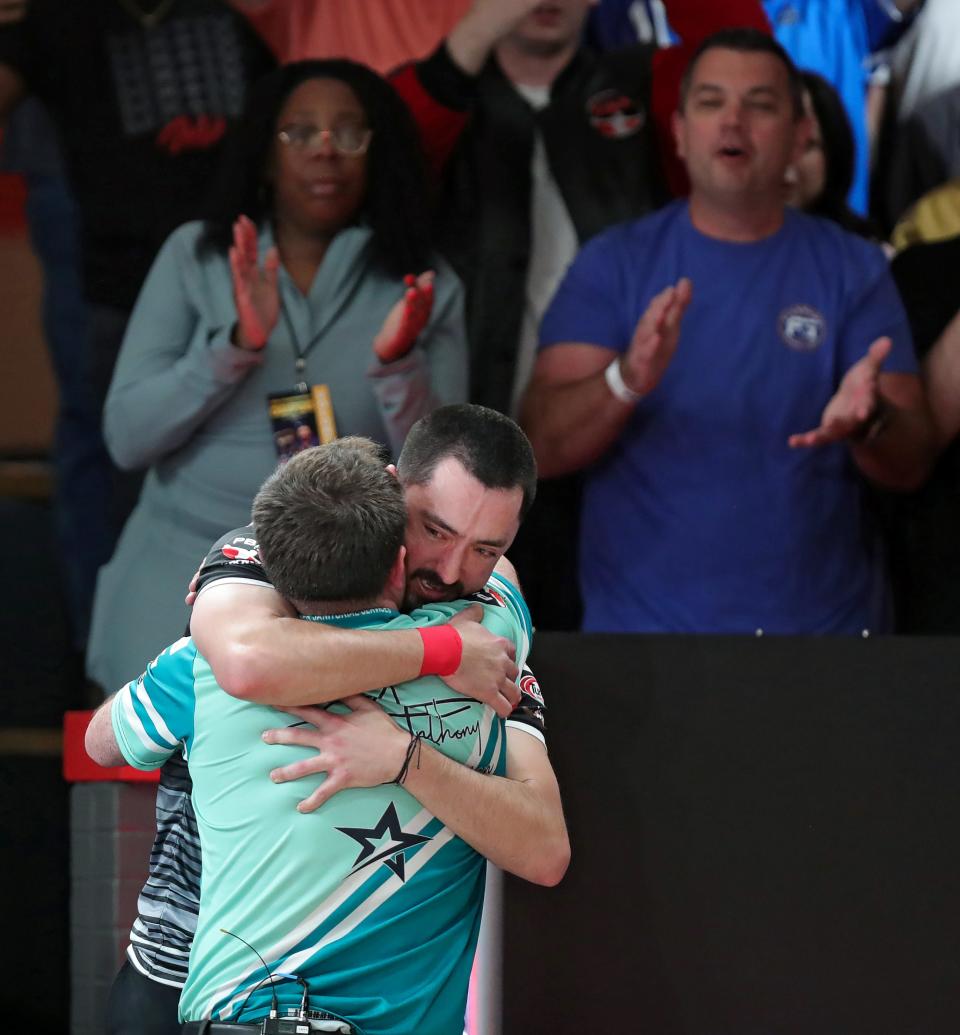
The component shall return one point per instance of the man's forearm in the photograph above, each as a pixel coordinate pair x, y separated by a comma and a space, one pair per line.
100, 740
515, 823
260, 651
573, 424
898, 452
899, 456
285, 661
941, 379
471, 41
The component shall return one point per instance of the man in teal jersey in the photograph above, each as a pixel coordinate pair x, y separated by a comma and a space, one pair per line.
383, 927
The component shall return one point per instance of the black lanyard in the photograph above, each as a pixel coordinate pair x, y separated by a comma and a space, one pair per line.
300, 364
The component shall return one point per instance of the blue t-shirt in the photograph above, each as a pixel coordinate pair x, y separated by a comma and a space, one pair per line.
701, 518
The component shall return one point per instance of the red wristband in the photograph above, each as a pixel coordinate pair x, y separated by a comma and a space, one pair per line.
442, 650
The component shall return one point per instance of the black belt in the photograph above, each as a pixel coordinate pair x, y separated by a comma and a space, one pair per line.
217, 1028
228, 1028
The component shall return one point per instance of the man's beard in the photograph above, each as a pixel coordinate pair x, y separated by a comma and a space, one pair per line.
437, 590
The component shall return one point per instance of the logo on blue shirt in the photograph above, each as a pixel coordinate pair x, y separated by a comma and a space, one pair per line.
802, 328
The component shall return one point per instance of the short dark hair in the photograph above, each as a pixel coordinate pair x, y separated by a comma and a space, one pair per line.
329, 523
396, 202
489, 444
746, 41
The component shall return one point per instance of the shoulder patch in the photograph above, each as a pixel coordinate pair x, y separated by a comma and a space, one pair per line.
241, 551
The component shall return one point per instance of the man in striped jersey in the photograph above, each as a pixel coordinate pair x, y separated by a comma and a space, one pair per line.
447, 735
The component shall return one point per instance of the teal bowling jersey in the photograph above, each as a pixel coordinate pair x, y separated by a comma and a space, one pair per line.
371, 899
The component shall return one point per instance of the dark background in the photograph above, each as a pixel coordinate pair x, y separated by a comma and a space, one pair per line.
765, 840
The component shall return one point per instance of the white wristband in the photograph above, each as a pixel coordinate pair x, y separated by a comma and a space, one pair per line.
618, 387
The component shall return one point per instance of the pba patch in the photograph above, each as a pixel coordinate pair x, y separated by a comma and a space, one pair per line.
241, 554
530, 687
802, 328
614, 115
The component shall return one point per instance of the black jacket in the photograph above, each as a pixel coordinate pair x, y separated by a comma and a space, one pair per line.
601, 148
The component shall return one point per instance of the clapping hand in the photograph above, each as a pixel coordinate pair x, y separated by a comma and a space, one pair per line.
406, 319
254, 287
656, 336
854, 403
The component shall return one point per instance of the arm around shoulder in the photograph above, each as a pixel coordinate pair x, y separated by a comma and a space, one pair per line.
259, 650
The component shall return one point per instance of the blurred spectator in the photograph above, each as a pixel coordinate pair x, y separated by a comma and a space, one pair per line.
621, 23
921, 528
926, 152
832, 37
141, 95
837, 40
819, 180
83, 478
926, 61
558, 142
561, 142
326, 163
935, 217
682, 361
924, 65
380, 33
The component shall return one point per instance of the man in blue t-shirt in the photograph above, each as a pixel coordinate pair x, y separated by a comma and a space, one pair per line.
373, 900
716, 367
837, 38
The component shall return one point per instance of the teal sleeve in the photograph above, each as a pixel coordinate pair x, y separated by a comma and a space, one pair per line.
153, 716
516, 606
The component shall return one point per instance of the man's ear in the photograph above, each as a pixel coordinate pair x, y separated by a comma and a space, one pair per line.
392, 469
397, 579
677, 125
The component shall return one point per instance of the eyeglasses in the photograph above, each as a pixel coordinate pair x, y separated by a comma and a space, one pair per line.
348, 139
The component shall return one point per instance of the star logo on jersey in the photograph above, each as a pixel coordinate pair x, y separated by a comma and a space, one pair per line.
385, 843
